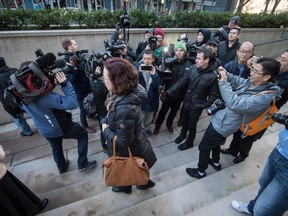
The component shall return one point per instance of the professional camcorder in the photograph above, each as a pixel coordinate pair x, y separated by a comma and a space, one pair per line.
281, 119
35, 79
152, 41
113, 48
166, 63
218, 105
124, 20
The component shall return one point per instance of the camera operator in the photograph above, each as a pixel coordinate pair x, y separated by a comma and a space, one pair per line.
78, 79
55, 124
223, 32
143, 44
16, 112
123, 52
150, 80
100, 92
237, 93
272, 197
202, 38
179, 68
201, 90
157, 44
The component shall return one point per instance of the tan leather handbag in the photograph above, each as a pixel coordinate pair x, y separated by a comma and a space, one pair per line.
125, 171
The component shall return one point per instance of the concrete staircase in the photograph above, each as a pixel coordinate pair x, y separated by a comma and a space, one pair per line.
175, 193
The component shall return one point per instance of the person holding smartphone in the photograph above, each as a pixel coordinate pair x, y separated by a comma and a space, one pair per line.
150, 80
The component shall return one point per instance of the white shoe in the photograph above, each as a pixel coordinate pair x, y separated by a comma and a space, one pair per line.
240, 206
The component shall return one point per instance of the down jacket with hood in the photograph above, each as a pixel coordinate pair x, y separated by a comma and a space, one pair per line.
237, 94
125, 121
201, 87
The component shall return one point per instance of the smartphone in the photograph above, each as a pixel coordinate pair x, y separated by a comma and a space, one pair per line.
146, 68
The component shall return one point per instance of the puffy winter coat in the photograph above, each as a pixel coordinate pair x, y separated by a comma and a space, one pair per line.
125, 121
201, 87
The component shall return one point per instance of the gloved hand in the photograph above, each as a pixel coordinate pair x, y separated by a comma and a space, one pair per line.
163, 96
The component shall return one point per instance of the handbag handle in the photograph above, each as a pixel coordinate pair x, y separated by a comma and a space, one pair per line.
114, 148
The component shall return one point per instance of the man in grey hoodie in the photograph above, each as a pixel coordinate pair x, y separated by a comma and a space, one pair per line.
237, 95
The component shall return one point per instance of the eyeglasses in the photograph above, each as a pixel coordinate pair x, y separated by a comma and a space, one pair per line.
252, 70
249, 52
213, 45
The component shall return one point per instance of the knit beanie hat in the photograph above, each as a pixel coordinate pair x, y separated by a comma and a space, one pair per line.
181, 45
235, 20
159, 31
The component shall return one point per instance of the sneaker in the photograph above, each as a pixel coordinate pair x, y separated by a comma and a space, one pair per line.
216, 167
89, 165
179, 139
240, 206
65, 167
90, 130
194, 173
30, 134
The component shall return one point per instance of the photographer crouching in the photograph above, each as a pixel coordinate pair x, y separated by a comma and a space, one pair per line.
241, 97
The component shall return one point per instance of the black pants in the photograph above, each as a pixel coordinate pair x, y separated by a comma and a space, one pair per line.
241, 146
189, 122
173, 105
210, 142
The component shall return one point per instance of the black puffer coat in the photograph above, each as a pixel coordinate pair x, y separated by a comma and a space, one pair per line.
202, 88
125, 121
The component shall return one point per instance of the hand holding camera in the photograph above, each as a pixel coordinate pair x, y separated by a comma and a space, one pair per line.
61, 78
222, 73
147, 68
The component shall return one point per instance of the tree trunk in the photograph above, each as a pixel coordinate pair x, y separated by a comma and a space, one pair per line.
275, 5
242, 3
266, 5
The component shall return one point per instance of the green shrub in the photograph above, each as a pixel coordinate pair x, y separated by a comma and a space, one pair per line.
71, 19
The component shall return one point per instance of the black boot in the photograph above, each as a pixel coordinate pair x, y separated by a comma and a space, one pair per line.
124, 189
150, 184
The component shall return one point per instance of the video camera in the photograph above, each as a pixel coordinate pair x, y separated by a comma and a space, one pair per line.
35, 79
124, 20
113, 48
281, 119
166, 62
152, 41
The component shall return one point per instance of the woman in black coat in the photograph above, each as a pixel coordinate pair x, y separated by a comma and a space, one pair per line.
124, 117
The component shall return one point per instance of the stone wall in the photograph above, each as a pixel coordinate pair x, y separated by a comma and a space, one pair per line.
19, 46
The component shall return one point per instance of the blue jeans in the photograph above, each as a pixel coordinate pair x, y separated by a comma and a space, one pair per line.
272, 198
75, 132
22, 124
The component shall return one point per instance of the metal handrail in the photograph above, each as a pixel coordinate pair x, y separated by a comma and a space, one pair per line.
269, 42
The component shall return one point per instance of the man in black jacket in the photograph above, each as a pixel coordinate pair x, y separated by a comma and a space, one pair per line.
227, 49
178, 68
201, 91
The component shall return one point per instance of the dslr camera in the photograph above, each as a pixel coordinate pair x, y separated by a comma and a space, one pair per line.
218, 105
152, 41
281, 119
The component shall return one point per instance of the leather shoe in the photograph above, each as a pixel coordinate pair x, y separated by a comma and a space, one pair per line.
123, 189
216, 167
194, 173
43, 204
150, 184
227, 151
180, 138
185, 146
90, 130
238, 159
170, 129
156, 130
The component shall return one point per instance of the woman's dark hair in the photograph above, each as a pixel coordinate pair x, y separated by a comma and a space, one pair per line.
122, 75
270, 66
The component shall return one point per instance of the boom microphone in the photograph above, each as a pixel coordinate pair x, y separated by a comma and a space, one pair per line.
45, 60
59, 63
